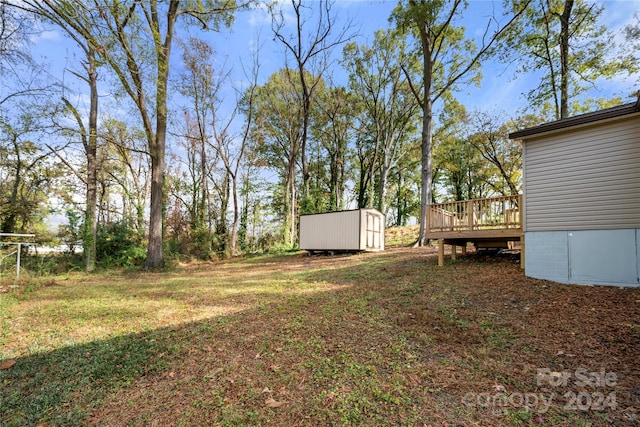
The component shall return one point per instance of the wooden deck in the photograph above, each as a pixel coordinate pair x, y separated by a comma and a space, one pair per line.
491, 222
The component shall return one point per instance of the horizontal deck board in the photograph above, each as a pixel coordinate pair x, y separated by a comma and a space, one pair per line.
514, 233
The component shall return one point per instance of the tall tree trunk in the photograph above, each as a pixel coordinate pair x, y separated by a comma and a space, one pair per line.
204, 202
154, 247
400, 201
233, 244
335, 181
564, 58
306, 108
91, 149
156, 216
340, 180
9, 221
363, 183
426, 194
290, 220
382, 189
222, 230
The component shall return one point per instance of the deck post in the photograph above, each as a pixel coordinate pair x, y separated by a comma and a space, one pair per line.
454, 249
464, 249
520, 212
470, 214
440, 252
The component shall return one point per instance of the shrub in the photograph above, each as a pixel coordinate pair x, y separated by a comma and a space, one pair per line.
198, 244
118, 244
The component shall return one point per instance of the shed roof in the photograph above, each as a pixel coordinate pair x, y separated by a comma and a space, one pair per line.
595, 116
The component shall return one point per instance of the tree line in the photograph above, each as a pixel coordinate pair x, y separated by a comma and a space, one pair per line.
163, 167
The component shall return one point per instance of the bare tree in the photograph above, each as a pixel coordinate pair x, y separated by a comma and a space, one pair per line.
489, 135
201, 85
222, 146
311, 55
20, 76
390, 110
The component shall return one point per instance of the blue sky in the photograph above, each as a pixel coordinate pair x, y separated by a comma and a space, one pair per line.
501, 89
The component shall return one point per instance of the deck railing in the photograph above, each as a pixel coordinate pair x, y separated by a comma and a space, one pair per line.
479, 214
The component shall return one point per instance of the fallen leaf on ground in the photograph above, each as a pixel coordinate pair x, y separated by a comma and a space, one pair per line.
7, 364
272, 403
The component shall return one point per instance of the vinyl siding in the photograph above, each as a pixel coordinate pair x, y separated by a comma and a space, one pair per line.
585, 178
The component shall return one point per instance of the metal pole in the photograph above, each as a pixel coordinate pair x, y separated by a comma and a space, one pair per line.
18, 262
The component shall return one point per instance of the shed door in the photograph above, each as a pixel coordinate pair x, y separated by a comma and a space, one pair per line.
603, 256
373, 231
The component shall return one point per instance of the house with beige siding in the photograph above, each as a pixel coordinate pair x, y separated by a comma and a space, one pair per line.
581, 202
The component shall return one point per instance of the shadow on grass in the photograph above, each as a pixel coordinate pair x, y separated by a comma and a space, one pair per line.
64, 386
395, 341
61, 387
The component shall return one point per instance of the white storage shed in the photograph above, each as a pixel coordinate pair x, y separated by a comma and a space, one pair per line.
353, 230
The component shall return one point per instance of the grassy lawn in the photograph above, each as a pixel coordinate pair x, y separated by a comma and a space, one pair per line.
287, 340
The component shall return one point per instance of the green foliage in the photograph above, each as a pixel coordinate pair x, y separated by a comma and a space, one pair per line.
489, 136
403, 189
459, 169
333, 129
276, 120
593, 52
26, 174
631, 46
451, 59
252, 217
119, 245
43, 265
71, 233
277, 137
199, 244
